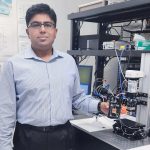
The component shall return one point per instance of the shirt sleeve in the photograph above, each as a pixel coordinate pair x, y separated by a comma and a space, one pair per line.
81, 101
7, 106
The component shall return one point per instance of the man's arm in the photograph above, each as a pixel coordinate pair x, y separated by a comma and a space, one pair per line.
7, 106
86, 103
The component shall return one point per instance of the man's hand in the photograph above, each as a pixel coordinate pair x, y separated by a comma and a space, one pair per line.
104, 107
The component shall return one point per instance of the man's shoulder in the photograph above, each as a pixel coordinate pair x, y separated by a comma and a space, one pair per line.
15, 57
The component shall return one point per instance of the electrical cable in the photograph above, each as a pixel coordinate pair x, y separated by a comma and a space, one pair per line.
119, 64
79, 27
82, 58
87, 60
121, 87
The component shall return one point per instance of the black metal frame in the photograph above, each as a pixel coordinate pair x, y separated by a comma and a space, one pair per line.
120, 12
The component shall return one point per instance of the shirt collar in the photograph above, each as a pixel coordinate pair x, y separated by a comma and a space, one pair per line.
29, 54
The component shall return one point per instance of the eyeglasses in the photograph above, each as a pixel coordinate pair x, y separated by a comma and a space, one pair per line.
38, 25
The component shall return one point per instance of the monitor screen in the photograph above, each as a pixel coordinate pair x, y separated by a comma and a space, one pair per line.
85, 73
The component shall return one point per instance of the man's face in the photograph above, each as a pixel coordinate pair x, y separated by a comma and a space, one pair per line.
41, 31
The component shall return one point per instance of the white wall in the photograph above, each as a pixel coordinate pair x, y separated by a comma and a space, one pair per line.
8, 34
63, 9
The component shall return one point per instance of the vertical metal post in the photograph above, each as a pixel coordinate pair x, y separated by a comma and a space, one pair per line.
75, 33
100, 60
143, 112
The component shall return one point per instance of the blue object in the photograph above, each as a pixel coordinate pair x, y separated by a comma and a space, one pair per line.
85, 87
85, 73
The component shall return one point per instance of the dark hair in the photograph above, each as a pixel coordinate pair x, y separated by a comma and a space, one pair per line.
38, 9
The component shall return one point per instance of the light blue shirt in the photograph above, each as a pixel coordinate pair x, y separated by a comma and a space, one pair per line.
39, 93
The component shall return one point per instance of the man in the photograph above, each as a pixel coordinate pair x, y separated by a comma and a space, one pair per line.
38, 89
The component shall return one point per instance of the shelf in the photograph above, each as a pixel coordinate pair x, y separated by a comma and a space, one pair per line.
106, 53
125, 11
110, 14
